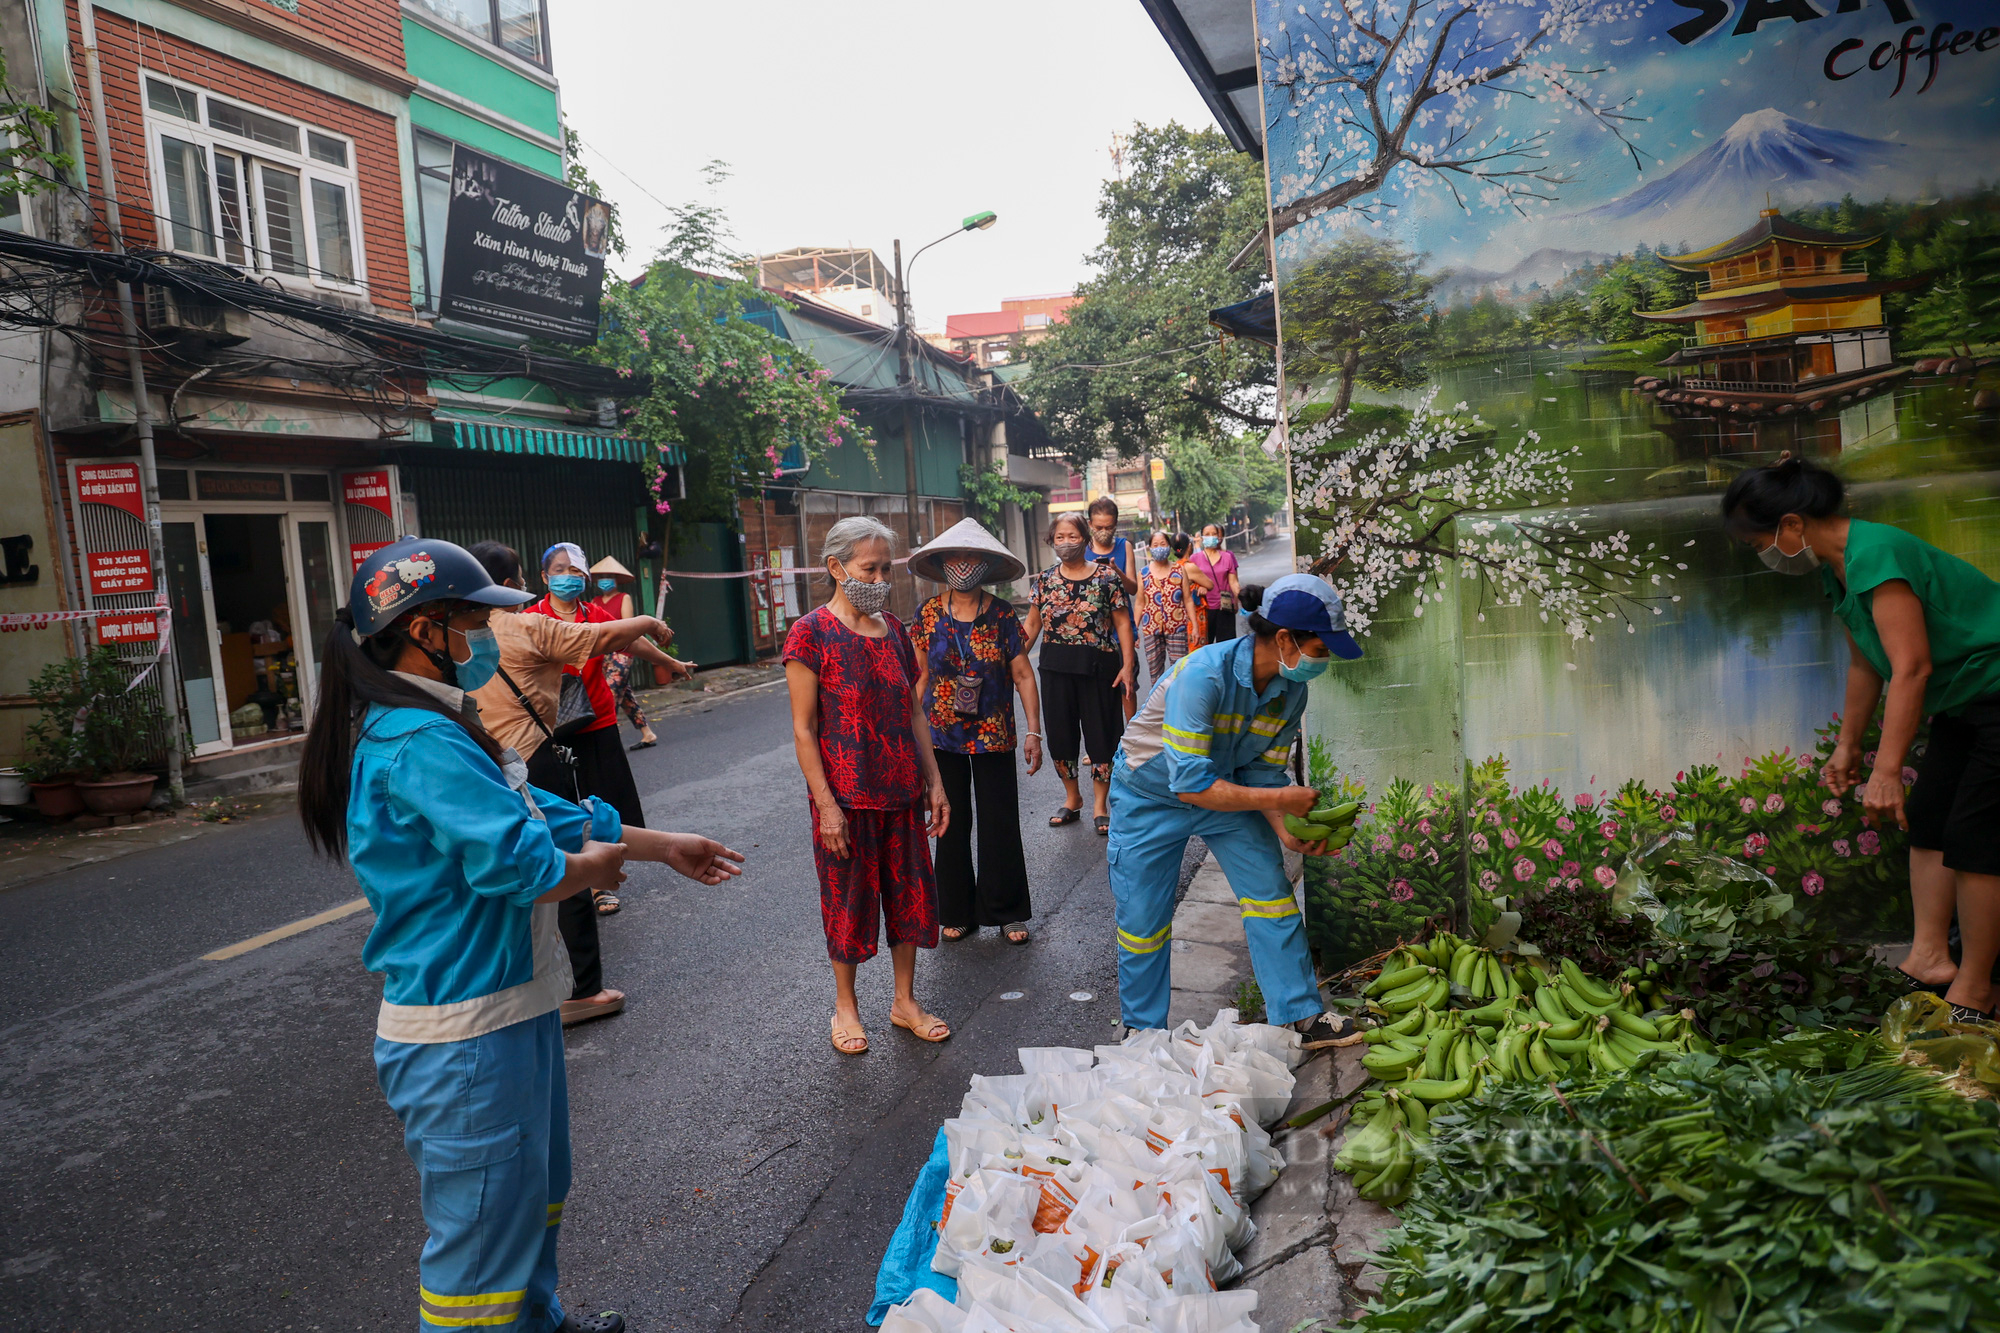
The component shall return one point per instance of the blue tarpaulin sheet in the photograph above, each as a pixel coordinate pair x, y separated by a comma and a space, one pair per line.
907, 1264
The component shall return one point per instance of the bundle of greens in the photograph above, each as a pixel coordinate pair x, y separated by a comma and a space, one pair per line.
1814, 1183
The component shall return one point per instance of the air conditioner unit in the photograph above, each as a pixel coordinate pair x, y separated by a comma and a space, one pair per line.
181, 314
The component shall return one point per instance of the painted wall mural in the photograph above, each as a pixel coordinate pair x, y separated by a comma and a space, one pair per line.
1550, 274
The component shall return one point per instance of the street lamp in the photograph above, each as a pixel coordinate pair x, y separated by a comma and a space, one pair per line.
904, 377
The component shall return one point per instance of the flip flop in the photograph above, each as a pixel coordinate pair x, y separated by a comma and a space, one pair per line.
1103, 823
1065, 816
928, 1022
582, 1011
643, 745
607, 903
841, 1034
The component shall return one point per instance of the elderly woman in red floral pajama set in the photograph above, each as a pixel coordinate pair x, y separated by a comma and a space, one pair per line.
877, 798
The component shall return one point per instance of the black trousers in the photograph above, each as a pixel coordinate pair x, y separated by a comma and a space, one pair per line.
601, 770
1221, 626
982, 788
1080, 712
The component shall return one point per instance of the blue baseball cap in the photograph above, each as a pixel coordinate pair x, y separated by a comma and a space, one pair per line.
1307, 604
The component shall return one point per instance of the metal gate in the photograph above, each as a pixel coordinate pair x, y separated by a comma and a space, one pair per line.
530, 504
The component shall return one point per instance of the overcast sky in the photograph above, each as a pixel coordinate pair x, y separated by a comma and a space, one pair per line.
856, 123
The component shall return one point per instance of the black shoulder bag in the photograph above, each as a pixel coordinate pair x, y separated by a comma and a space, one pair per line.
564, 755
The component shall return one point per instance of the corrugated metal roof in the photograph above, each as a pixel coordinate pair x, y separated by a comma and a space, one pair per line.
520, 435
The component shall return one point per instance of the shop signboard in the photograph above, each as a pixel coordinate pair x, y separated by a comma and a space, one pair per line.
368, 505
522, 252
112, 484
128, 627
118, 571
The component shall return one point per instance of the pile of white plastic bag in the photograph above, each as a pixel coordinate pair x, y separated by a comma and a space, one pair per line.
1107, 1191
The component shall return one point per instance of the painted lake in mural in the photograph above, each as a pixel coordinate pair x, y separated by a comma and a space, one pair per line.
1746, 662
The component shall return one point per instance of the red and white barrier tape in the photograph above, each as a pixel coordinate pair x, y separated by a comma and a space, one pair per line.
43, 619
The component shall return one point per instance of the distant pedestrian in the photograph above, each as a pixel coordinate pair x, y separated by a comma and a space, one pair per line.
1088, 665
975, 658
1198, 586
875, 790
1225, 583
611, 589
1166, 605
1114, 554
464, 862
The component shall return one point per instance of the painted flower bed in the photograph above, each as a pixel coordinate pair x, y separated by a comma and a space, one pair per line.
1848, 876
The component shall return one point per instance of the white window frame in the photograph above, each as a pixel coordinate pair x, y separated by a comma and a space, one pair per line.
10, 139
249, 152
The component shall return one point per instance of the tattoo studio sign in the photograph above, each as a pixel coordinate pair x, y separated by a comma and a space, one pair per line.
522, 252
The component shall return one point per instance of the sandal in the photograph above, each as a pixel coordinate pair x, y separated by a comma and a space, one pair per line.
1103, 823
929, 1023
607, 902
1937, 988
1965, 1013
1330, 1030
1066, 815
1016, 933
957, 932
848, 1034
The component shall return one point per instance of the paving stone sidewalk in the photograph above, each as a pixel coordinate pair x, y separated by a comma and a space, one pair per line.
1310, 1261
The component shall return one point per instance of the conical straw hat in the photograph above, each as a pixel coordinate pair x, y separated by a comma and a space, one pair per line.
609, 566
966, 538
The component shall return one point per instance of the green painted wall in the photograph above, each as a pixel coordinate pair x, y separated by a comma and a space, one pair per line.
939, 453
437, 59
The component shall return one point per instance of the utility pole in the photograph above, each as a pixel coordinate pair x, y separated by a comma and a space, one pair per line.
142, 408
905, 388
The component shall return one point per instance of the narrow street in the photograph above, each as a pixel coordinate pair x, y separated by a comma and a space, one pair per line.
202, 1143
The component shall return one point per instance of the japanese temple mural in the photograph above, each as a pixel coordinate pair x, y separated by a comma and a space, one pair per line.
1631, 247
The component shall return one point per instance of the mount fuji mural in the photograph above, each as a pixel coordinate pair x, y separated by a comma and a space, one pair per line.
1764, 153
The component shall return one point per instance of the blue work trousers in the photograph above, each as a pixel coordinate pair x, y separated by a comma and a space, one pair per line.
1148, 840
486, 1121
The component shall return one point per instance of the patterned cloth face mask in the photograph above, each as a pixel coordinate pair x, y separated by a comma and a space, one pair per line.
868, 598
964, 573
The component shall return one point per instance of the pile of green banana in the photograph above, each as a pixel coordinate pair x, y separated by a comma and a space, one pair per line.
1536, 1023
1331, 824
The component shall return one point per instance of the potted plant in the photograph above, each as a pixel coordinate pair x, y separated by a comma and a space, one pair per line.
54, 761
97, 731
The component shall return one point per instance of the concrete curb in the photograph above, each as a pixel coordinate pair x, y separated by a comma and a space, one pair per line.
1310, 1262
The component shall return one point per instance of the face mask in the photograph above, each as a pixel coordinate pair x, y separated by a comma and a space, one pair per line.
607, 585
868, 598
1305, 669
1103, 540
1210, 543
1068, 550
569, 587
484, 661
964, 575
1162, 552
1801, 561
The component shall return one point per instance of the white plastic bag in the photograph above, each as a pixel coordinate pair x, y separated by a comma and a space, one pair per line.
1023, 1294
992, 1215
924, 1312
997, 1096
1207, 1312
1054, 1060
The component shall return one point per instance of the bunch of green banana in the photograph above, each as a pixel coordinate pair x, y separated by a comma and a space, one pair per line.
1382, 1154
1331, 824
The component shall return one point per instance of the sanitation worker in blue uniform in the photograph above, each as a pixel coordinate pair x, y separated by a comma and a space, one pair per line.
464, 863
1210, 754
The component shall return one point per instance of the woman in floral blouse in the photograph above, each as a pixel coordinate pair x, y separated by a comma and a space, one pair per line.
1087, 665
974, 658
1167, 605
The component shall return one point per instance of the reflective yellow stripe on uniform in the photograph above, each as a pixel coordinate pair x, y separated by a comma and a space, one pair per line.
1265, 725
1153, 943
493, 1307
1278, 755
1269, 908
1226, 724
555, 1214
1187, 742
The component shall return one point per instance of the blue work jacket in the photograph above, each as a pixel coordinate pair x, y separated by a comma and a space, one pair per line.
452, 853
1206, 721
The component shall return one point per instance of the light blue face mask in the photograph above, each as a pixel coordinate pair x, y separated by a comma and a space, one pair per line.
1305, 669
569, 587
1210, 543
1162, 552
480, 667
607, 585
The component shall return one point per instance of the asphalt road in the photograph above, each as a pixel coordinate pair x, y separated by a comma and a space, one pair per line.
202, 1144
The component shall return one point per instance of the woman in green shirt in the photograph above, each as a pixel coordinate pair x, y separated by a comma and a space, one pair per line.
1928, 624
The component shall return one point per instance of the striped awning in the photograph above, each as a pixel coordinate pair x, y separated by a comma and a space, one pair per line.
502, 436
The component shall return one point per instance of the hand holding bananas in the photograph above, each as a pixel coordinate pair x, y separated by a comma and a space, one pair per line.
1330, 824
1529, 1020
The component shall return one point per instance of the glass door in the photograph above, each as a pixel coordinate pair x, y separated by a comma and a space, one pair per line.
189, 592
316, 596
